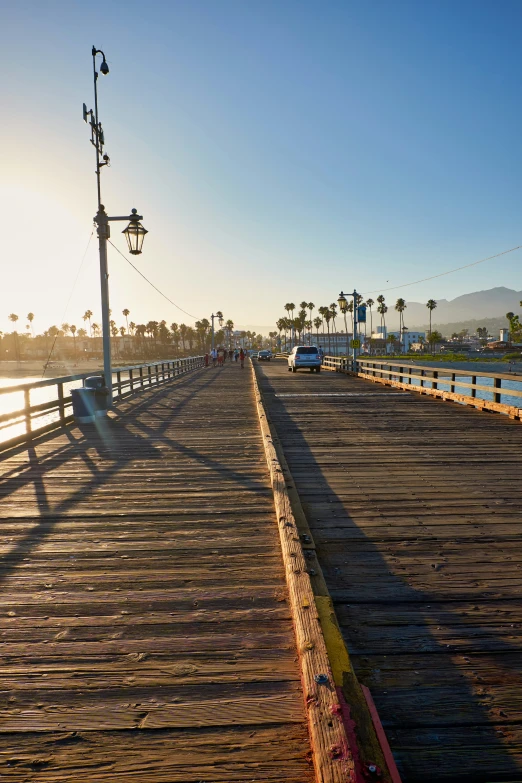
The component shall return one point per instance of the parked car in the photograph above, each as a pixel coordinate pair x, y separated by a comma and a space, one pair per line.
264, 356
304, 356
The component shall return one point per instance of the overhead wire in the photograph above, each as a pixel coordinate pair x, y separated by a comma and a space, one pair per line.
152, 284
442, 274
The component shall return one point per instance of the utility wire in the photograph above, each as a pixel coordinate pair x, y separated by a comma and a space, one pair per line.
152, 284
69, 300
441, 274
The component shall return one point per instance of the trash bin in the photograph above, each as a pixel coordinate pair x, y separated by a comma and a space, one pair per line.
96, 385
83, 404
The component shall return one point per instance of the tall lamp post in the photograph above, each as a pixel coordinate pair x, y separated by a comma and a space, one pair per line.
219, 316
134, 233
343, 306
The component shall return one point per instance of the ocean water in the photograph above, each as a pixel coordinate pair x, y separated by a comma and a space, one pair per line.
11, 402
475, 369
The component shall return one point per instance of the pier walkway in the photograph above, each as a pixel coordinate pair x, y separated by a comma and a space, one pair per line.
415, 508
147, 606
144, 623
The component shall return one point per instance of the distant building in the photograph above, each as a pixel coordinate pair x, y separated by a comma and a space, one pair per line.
408, 339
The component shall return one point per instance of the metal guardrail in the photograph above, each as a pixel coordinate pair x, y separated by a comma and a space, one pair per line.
432, 379
126, 381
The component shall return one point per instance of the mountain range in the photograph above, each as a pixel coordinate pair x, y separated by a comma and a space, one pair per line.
493, 303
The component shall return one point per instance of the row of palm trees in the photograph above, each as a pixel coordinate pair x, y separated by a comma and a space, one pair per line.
297, 325
150, 338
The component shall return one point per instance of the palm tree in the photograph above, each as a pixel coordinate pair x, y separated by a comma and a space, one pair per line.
333, 310
30, 318
311, 307
126, 313
87, 317
391, 339
382, 310
431, 304
323, 311
66, 329
400, 306
370, 303
349, 307
94, 329
229, 326
290, 307
328, 318
174, 328
73, 332
317, 323
14, 318
183, 334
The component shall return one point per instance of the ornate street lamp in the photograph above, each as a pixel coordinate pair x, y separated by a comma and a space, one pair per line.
134, 233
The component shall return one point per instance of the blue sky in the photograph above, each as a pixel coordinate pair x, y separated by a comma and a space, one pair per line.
278, 150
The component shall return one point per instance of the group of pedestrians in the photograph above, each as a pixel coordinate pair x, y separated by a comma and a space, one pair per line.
218, 356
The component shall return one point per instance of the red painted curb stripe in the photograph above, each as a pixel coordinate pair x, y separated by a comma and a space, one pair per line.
390, 761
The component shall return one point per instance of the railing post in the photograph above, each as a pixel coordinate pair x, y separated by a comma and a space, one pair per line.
473, 381
497, 383
27, 412
434, 383
401, 370
142, 382
149, 372
61, 403
409, 376
118, 382
131, 381
452, 384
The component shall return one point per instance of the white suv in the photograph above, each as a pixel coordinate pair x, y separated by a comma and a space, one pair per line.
304, 356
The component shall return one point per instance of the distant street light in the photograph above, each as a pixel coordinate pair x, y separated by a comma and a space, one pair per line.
219, 316
343, 307
134, 233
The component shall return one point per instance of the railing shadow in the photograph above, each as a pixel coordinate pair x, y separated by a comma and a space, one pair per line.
438, 711
106, 437
118, 440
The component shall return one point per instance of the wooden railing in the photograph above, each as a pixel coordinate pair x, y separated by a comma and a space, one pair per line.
33, 418
486, 390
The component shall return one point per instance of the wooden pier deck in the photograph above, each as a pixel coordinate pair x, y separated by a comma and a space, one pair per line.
415, 506
144, 624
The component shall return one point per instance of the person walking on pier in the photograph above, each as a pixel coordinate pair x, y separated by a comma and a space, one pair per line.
213, 354
242, 358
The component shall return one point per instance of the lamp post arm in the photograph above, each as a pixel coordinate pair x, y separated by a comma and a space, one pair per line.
125, 217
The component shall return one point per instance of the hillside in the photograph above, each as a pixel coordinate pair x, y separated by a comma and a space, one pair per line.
468, 311
493, 325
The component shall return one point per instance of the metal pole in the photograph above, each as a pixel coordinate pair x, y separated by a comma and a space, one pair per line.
354, 367
347, 337
212, 339
97, 127
103, 234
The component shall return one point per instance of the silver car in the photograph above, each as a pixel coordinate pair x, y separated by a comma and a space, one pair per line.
304, 356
